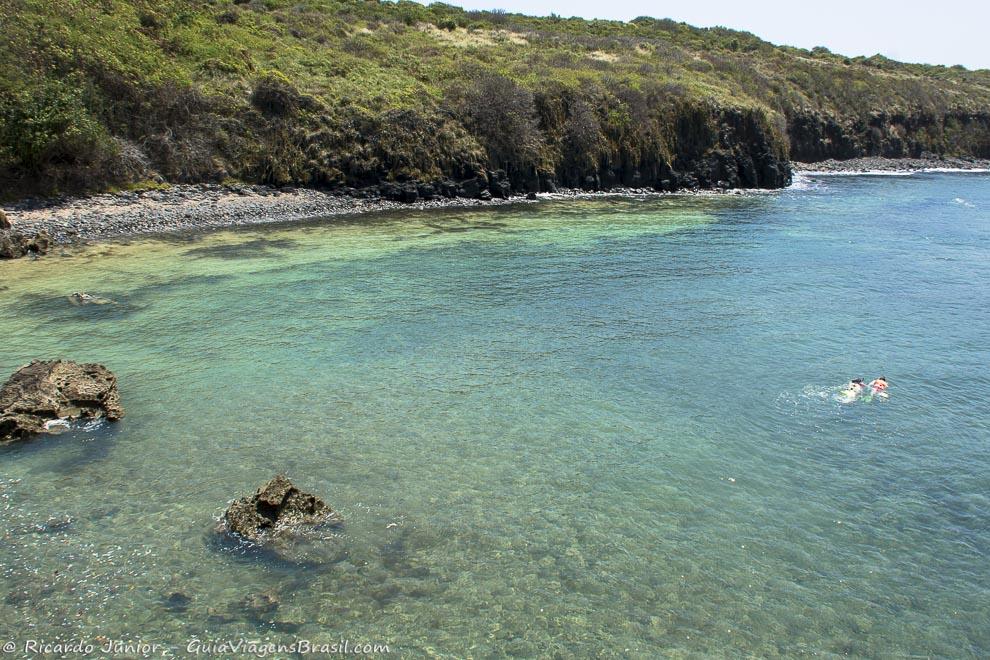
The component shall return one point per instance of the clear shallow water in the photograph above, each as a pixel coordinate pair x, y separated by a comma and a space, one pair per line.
574, 428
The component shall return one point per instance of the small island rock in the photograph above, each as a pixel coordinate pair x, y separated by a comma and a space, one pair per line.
49, 391
276, 506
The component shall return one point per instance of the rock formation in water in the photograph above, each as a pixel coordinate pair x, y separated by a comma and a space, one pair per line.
275, 508
44, 392
15, 244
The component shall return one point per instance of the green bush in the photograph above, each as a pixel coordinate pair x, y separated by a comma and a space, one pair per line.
501, 114
49, 134
275, 95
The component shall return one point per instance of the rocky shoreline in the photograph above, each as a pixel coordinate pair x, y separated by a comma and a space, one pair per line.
211, 206
196, 207
192, 207
878, 164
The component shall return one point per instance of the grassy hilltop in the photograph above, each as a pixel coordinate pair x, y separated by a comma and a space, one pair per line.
100, 93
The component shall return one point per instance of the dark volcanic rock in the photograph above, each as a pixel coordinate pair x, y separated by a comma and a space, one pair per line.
447, 188
474, 188
399, 192
817, 136
547, 183
499, 185
41, 243
427, 191
276, 507
46, 391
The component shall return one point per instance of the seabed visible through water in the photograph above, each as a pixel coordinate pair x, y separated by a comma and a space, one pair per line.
576, 428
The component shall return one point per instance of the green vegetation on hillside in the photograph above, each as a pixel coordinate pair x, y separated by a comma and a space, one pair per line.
96, 93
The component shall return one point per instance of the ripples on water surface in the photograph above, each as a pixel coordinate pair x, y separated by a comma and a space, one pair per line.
574, 428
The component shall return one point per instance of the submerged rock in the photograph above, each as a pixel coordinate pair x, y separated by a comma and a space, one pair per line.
80, 299
177, 601
54, 525
258, 607
276, 508
44, 392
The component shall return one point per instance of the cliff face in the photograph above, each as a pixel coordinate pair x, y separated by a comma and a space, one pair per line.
409, 101
703, 147
745, 153
815, 137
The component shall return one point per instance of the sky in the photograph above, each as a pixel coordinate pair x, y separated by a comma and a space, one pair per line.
935, 32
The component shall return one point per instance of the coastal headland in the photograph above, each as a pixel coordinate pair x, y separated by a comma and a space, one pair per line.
404, 103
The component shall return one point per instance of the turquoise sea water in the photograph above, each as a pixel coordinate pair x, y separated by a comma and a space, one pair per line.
573, 428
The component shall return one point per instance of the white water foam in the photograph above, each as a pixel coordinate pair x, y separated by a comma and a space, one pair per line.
958, 170
804, 181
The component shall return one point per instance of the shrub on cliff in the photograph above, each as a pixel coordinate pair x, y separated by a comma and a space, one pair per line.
275, 95
501, 114
48, 135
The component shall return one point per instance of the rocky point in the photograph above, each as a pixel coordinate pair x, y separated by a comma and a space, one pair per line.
47, 392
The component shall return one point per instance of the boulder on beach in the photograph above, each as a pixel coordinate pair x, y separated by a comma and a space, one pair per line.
274, 509
44, 395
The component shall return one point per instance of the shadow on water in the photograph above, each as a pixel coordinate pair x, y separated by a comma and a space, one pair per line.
70, 451
121, 305
252, 249
61, 309
319, 547
153, 289
452, 229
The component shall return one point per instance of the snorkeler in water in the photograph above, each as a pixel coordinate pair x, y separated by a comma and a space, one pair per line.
878, 386
853, 389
